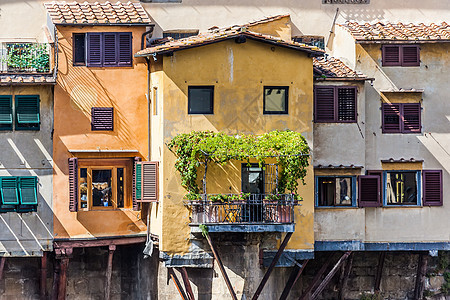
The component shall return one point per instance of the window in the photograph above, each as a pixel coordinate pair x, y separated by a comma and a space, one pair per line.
6, 113
401, 187
155, 101
252, 179
200, 100
400, 55
311, 40
401, 118
18, 194
102, 49
275, 100
27, 112
335, 191
100, 183
102, 119
335, 104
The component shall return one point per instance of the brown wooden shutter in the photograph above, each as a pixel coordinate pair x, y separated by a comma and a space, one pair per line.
94, 49
73, 184
109, 50
378, 173
125, 57
346, 104
432, 187
149, 181
391, 118
324, 104
135, 202
369, 191
410, 56
391, 55
411, 117
102, 118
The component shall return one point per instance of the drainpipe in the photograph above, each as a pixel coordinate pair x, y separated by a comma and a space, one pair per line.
149, 33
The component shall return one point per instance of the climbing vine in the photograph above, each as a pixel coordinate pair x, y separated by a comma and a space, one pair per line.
288, 148
28, 57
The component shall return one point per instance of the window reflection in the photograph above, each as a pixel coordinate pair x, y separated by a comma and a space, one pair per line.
83, 188
120, 187
101, 188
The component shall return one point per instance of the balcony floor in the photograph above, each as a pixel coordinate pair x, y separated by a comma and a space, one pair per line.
244, 227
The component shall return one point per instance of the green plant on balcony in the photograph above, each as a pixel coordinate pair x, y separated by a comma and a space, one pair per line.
31, 57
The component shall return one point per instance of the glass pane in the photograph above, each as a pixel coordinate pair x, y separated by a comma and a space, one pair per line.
101, 188
252, 180
275, 99
200, 100
401, 188
120, 187
327, 191
83, 188
343, 191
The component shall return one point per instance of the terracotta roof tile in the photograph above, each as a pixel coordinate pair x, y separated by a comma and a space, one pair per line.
75, 13
331, 67
27, 79
398, 31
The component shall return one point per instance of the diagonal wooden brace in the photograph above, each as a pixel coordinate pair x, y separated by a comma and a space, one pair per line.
177, 284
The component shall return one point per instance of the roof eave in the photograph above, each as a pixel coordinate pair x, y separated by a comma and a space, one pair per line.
387, 41
102, 24
344, 79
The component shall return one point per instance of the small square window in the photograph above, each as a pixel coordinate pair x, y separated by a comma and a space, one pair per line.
335, 104
276, 99
335, 191
401, 187
27, 112
400, 55
201, 100
102, 119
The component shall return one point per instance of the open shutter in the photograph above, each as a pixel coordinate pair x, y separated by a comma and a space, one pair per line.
27, 109
136, 182
432, 187
28, 190
110, 49
8, 191
149, 181
369, 191
391, 118
73, 184
411, 117
102, 118
124, 49
410, 56
346, 104
6, 119
391, 55
94, 49
324, 108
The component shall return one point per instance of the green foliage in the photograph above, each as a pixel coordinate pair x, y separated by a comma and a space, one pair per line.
289, 148
28, 57
204, 229
367, 296
444, 260
445, 288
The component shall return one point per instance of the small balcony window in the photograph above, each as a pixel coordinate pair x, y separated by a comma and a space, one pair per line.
201, 100
276, 99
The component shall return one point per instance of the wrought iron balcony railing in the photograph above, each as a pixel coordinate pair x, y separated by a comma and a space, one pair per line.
28, 58
244, 209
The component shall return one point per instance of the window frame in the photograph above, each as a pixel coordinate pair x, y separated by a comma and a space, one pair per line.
401, 62
418, 174
286, 100
16, 105
401, 119
106, 164
335, 103
211, 106
354, 203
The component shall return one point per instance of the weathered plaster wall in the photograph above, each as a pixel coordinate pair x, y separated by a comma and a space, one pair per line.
238, 73
79, 89
29, 153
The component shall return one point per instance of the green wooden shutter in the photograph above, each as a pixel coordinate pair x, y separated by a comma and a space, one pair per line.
8, 190
27, 111
6, 112
138, 180
28, 190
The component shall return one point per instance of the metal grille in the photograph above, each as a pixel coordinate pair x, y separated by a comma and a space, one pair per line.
346, 104
271, 178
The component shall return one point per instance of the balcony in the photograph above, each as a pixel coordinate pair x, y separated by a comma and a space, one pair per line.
25, 58
244, 213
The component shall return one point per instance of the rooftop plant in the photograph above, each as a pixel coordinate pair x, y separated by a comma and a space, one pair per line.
28, 57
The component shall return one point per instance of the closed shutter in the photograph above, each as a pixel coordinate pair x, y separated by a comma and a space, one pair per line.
391, 118
27, 109
102, 118
94, 49
6, 119
110, 49
136, 182
8, 189
369, 191
378, 173
432, 187
411, 117
28, 190
391, 55
324, 107
410, 56
149, 181
73, 184
125, 51
346, 104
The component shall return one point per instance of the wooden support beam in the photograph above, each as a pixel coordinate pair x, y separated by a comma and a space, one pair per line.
2, 266
381, 259
177, 283
111, 250
330, 275
295, 275
63, 278
187, 284
56, 271
43, 279
272, 265
306, 295
421, 272
346, 273
222, 269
